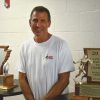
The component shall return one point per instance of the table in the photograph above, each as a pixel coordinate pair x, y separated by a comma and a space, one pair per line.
72, 96
12, 92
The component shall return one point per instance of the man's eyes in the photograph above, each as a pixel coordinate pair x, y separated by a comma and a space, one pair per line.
35, 20
42, 20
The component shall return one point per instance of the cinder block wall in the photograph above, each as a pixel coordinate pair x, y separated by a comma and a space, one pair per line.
77, 21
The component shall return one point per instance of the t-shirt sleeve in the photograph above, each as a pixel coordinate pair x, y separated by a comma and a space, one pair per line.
21, 62
65, 59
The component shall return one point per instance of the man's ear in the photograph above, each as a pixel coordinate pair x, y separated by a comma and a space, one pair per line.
49, 23
30, 22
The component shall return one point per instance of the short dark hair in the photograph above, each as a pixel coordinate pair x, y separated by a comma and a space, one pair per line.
41, 9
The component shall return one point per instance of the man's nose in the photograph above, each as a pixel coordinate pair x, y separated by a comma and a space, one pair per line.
38, 24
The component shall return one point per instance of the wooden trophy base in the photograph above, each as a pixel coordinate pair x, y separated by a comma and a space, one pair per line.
7, 82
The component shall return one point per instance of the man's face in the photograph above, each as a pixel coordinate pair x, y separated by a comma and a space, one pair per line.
39, 23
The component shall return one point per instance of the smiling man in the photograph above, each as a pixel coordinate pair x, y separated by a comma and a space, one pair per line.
45, 61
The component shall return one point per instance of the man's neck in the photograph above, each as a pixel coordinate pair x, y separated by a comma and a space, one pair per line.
42, 38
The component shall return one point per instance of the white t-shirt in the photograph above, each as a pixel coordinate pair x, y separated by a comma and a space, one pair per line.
42, 62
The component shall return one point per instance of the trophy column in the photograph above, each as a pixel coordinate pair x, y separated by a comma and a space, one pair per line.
6, 79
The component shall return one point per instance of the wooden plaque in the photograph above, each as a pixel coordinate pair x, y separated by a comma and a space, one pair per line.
89, 90
93, 70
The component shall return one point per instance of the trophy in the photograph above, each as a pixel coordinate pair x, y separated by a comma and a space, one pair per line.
6, 80
89, 69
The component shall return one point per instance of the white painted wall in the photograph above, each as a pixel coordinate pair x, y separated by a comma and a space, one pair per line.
77, 21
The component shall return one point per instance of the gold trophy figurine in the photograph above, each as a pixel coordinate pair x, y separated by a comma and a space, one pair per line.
7, 53
82, 68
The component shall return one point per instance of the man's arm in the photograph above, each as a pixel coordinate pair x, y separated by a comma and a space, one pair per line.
59, 86
25, 87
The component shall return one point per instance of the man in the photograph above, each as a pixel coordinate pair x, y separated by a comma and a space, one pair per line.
45, 61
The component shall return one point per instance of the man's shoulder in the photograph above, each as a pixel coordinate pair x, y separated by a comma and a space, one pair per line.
26, 43
59, 40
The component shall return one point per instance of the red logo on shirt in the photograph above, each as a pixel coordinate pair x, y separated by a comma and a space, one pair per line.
49, 57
